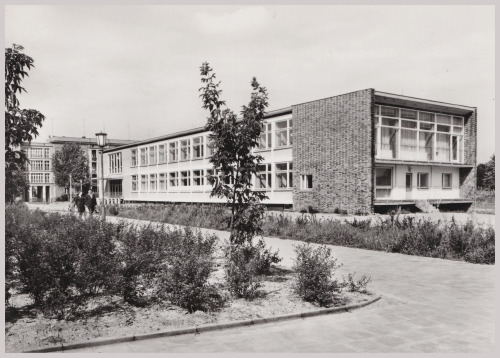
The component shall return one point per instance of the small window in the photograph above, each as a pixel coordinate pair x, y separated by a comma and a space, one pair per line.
409, 124
458, 121
306, 181
443, 119
441, 128
423, 180
426, 126
446, 180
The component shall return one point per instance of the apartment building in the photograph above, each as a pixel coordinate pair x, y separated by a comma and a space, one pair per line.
357, 152
39, 170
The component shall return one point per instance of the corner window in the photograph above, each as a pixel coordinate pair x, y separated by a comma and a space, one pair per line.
447, 180
423, 180
306, 181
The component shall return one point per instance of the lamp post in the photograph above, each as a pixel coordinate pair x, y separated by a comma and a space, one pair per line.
101, 142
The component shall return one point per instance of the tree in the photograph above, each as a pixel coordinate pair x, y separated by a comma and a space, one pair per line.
232, 158
486, 174
480, 171
70, 166
21, 125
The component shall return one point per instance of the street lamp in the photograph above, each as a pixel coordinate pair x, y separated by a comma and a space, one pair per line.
101, 142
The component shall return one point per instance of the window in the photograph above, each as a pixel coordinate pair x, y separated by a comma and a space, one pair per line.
283, 133
383, 182
133, 154
283, 175
446, 180
46, 165
36, 165
426, 145
389, 111
144, 156
197, 147
94, 155
442, 147
46, 152
37, 152
185, 178
409, 143
185, 149
210, 147
423, 180
152, 155
115, 163
173, 152
134, 182
173, 179
306, 181
265, 137
115, 188
162, 182
389, 142
144, 182
198, 178
47, 177
37, 177
210, 175
161, 154
152, 182
263, 176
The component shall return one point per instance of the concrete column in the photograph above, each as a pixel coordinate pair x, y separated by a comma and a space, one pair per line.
30, 194
43, 193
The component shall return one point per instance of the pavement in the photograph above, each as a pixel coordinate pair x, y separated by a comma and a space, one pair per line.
427, 305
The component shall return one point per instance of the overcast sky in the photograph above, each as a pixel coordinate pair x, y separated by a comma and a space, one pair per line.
133, 71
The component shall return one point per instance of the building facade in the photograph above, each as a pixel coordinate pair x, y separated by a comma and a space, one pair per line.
355, 152
39, 170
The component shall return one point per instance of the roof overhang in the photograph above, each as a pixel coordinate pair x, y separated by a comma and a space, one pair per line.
390, 99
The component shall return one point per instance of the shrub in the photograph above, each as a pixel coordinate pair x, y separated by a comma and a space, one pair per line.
63, 197
314, 269
358, 285
186, 280
113, 210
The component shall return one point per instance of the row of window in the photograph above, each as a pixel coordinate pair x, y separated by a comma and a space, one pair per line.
39, 178
39, 165
39, 153
283, 178
283, 134
383, 180
416, 135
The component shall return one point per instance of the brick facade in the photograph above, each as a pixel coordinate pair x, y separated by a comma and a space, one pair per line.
334, 141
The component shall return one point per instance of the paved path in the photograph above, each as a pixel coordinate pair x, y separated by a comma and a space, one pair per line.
428, 305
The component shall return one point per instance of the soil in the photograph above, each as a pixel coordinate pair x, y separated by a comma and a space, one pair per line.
27, 328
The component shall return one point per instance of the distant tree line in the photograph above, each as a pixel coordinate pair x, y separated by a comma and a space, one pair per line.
486, 174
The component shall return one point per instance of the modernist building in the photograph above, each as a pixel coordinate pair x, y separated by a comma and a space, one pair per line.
39, 170
356, 152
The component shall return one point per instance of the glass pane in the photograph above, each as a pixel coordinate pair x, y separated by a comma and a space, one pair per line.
457, 130
443, 147
383, 177
427, 117
382, 193
281, 180
388, 142
446, 180
441, 128
423, 180
281, 125
443, 119
408, 144
408, 124
377, 109
426, 126
390, 112
281, 166
458, 121
406, 113
426, 145
390, 122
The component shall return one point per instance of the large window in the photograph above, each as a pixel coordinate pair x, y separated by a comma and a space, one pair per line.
152, 155
162, 182
115, 163
185, 149
134, 182
283, 133
198, 148
133, 154
152, 182
173, 152
144, 182
383, 182
144, 156
198, 178
283, 175
265, 137
417, 135
263, 177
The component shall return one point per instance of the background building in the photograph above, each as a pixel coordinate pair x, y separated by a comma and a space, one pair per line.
355, 152
40, 173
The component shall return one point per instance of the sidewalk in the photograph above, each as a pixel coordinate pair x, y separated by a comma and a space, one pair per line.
427, 305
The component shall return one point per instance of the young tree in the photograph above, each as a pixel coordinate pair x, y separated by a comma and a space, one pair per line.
21, 125
71, 166
232, 158
489, 174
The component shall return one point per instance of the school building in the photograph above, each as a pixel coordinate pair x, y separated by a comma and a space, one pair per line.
357, 152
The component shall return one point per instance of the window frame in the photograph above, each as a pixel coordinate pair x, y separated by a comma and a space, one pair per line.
134, 183
419, 175
288, 130
305, 179
268, 173
200, 145
133, 155
450, 181
288, 172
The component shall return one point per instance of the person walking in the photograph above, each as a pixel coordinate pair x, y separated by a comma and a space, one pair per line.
90, 202
80, 203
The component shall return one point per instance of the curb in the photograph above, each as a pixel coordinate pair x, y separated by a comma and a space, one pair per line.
197, 330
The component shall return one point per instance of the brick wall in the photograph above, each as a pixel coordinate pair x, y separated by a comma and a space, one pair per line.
334, 141
468, 175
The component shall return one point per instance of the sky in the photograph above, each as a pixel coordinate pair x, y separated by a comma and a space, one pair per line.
133, 71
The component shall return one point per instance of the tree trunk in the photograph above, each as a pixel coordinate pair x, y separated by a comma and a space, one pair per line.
70, 196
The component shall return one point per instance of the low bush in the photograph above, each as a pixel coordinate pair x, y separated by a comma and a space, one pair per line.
113, 210
314, 269
63, 197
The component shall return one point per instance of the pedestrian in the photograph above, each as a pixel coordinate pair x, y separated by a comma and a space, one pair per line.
90, 202
80, 203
